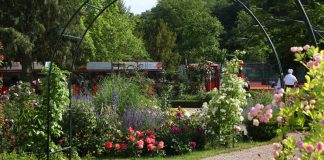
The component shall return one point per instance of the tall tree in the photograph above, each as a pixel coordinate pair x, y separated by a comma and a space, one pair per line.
197, 31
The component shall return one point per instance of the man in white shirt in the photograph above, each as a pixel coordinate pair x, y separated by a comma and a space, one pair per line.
290, 80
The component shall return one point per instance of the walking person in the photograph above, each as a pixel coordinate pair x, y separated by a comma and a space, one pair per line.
290, 80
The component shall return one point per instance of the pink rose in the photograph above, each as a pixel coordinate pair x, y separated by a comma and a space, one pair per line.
312, 101
279, 119
117, 146
281, 91
130, 130
124, 146
293, 49
140, 144
306, 47
276, 146
275, 154
193, 144
151, 147
300, 49
309, 148
322, 122
161, 145
108, 145
318, 57
320, 146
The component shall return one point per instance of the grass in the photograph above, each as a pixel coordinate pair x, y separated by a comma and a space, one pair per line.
212, 151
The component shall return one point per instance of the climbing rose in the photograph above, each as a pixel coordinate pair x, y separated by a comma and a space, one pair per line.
320, 146
309, 148
108, 145
161, 145
117, 146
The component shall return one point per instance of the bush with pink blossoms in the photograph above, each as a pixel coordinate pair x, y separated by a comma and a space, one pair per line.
307, 109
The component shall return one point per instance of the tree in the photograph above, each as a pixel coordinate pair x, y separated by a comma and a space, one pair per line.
113, 36
29, 30
197, 31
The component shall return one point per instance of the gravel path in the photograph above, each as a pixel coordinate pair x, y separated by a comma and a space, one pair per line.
257, 153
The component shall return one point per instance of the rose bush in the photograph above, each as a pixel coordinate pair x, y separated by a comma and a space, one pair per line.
182, 132
135, 144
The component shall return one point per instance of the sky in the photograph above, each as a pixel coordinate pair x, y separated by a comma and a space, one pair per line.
139, 6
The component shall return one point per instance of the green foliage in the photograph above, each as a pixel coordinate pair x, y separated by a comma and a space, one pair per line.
113, 36
89, 127
304, 107
263, 132
125, 92
259, 97
196, 30
225, 109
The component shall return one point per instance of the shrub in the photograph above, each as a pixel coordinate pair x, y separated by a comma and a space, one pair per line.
181, 133
89, 127
122, 93
262, 132
225, 110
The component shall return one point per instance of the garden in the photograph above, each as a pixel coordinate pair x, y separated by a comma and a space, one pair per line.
194, 103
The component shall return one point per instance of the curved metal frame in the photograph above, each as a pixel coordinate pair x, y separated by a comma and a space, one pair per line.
307, 22
266, 35
50, 72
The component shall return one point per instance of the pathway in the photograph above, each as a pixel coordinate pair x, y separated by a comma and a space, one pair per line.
257, 153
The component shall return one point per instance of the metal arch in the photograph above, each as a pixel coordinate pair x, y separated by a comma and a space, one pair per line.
307, 22
50, 72
267, 36
89, 26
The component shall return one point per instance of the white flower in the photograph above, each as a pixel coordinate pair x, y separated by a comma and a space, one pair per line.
223, 110
256, 122
241, 118
187, 114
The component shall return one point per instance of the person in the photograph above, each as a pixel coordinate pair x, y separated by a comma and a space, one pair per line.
290, 80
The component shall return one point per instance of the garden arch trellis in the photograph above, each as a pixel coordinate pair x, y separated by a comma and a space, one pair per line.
106, 4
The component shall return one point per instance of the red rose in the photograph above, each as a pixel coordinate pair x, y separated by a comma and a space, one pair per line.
150, 140
124, 146
152, 136
149, 132
132, 138
117, 146
139, 134
151, 147
161, 145
193, 144
130, 130
108, 145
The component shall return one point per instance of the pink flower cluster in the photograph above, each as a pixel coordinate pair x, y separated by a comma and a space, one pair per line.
277, 150
300, 49
309, 148
316, 62
277, 98
260, 114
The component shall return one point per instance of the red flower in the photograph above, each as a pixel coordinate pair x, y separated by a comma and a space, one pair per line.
193, 144
160, 145
149, 140
124, 146
117, 146
132, 138
61, 141
149, 132
130, 130
152, 136
151, 147
139, 134
140, 144
108, 145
